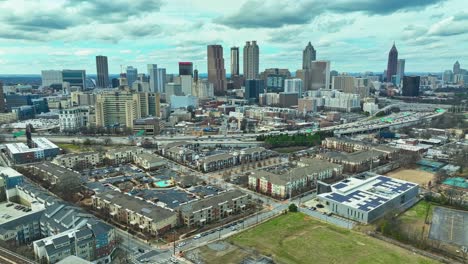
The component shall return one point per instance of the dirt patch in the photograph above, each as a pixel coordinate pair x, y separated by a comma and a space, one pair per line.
413, 175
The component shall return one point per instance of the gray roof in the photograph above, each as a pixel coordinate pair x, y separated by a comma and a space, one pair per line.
211, 201
142, 207
81, 154
150, 157
56, 170
354, 157
313, 166
216, 157
252, 150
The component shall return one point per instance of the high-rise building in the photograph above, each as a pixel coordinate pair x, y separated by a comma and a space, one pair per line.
153, 73
50, 77
400, 70
309, 54
161, 80
392, 64
186, 84
234, 61
411, 86
132, 75
253, 88
121, 108
185, 68
2, 99
216, 70
251, 60
293, 86
274, 79
456, 68
447, 77
102, 71
75, 78
172, 89
344, 83
319, 75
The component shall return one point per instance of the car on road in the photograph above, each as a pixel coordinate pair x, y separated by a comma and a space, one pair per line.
197, 236
141, 250
181, 244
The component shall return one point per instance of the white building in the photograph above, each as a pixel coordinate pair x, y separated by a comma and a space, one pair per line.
73, 118
293, 86
370, 107
365, 200
50, 77
202, 89
186, 84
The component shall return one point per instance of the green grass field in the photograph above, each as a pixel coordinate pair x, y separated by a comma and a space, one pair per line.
297, 238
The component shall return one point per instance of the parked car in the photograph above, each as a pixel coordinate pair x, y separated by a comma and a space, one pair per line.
197, 236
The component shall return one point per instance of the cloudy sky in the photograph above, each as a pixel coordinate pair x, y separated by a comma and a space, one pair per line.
355, 35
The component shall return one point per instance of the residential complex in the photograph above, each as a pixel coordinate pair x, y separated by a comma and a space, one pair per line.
214, 208
295, 181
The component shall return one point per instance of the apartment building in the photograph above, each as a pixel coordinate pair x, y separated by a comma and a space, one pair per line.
149, 161
213, 208
134, 212
121, 108
123, 155
78, 160
95, 241
218, 161
295, 181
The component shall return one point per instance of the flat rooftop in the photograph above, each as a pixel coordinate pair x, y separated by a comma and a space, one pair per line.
9, 213
367, 194
41, 144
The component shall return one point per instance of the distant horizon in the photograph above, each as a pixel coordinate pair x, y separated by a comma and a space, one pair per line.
353, 35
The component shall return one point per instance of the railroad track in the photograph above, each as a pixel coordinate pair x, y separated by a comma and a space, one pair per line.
10, 257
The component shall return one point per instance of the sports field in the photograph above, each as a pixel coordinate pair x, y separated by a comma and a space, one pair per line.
297, 238
450, 226
420, 177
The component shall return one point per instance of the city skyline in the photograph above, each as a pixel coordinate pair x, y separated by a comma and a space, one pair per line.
348, 34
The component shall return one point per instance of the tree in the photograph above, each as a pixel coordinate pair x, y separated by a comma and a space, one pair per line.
293, 208
107, 141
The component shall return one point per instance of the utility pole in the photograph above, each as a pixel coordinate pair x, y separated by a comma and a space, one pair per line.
174, 235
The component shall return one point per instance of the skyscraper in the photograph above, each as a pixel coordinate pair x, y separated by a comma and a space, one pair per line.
102, 72
456, 68
309, 54
400, 70
161, 80
132, 74
185, 68
411, 86
319, 73
2, 99
253, 89
216, 71
153, 73
251, 60
392, 63
234, 61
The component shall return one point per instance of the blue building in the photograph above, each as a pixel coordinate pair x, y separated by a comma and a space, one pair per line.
40, 105
253, 89
17, 100
24, 112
